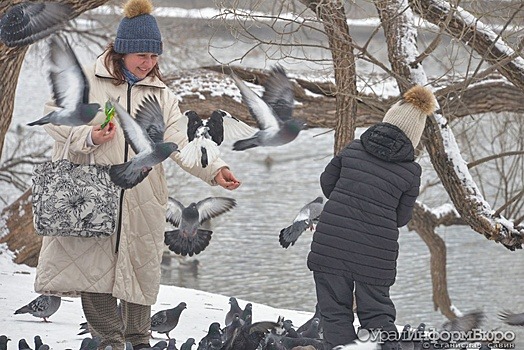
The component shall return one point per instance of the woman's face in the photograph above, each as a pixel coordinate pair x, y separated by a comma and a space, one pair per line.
140, 64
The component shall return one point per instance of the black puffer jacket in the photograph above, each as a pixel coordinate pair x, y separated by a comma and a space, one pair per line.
371, 186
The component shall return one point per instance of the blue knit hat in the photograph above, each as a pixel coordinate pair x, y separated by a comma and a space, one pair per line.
138, 30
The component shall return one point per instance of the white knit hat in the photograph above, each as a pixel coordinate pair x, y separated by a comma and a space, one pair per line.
409, 114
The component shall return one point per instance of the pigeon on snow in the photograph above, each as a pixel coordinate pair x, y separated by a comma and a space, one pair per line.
171, 344
189, 238
307, 324
511, 318
234, 309
188, 344
165, 321
273, 112
306, 218
145, 134
213, 339
3, 342
70, 88
205, 135
28, 22
43, 306
248, 337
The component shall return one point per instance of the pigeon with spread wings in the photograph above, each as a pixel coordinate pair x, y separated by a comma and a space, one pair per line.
28, 22
306, 218
189, 238
272, 112
145, 135
205, 135
70, 88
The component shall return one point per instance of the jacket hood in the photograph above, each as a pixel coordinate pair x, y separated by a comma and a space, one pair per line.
387, 142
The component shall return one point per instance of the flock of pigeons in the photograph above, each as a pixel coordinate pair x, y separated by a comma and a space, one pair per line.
28, 22
241, 333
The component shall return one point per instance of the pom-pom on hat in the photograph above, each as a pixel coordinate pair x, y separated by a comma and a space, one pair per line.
409, 114
138, 30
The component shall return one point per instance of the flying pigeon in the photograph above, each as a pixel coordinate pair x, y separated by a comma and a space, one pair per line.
234, 309
165, 321
70, 88
43, 306
273, 112
28, 22
306, 218
511, 318
248, 337
145, 134
189, 238
205, 135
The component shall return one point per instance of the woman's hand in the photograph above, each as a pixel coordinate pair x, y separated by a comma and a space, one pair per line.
226, 179
100, 136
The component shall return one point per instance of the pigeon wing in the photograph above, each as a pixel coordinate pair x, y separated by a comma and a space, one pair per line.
213, 206
315, 208
234, 128
215, 123
25, 23
260, 110
68, 81
133, 132
174, 211
511, 318
40, 304
278, 93
158, 319
150, 118
194, 122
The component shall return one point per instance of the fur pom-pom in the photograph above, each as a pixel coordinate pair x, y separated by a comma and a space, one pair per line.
422, 98
133, 8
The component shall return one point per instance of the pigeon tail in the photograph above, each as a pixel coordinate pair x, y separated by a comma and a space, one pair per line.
44, 120
191, 154
242, 145
187, 245
124, 177
289, 235
23, 310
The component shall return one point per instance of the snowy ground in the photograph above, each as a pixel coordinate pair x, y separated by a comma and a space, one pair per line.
16, 290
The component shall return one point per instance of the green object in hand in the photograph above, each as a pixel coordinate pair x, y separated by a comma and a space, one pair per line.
109, 111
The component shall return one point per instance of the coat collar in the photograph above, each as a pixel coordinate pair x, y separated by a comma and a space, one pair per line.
101, 71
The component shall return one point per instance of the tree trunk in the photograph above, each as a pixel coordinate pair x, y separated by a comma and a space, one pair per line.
333, 17
424, 223
20, 235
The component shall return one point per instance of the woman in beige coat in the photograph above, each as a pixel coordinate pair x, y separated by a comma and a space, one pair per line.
125, 266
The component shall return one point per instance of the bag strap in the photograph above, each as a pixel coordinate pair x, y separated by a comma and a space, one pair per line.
67, 143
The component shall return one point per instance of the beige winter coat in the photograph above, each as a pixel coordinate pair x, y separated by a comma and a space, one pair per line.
130, 271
